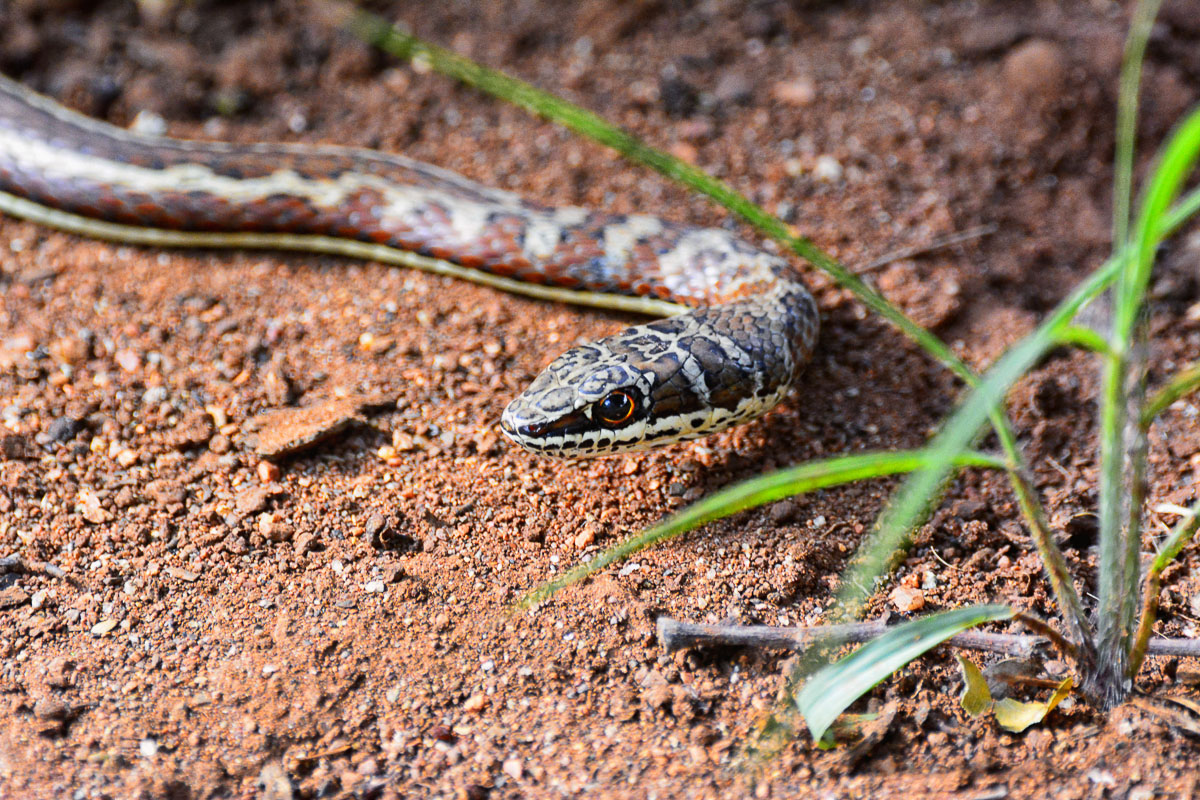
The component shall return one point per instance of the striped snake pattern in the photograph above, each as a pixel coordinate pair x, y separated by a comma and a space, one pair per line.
738, 324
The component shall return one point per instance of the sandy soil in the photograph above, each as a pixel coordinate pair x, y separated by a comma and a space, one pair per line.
341, 626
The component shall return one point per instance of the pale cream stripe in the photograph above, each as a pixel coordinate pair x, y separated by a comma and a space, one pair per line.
156, 237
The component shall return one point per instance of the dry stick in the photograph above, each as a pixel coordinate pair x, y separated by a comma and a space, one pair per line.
675, 635
18, 564
1036, 625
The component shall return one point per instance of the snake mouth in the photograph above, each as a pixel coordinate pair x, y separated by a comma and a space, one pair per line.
567, 425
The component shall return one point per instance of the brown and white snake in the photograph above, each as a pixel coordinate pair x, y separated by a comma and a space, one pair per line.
741, 322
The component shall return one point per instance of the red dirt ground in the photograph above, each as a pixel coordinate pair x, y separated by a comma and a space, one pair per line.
343, 627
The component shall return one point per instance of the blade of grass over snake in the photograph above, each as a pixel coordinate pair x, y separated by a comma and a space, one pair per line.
1122, 443
380, 33
831, 690
755, 492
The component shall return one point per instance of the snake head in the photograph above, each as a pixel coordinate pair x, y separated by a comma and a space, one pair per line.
589, 401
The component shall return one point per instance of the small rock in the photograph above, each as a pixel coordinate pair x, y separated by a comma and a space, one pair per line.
376, 524
70, 350
827, 169
475, 702
679, 98
268, 472
182, 574
193, 430
783, 511
274, 528
513, 768
585, 537
148, 747
906, 599
64, 429
303, 543
1036, 71
155, 396
275, 783
734, 88
165, 493
254, 499
104, 626
12, 596
288, 431
800, 92
50, 708
220, 444
58, 672
93, 512
128, 360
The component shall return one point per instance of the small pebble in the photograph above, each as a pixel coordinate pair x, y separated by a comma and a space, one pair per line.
907, 600
104, 626
64, 429
513, 768
827, 169
128, 360
1035, 71
12, 596
799, 92
734, 88
50, 708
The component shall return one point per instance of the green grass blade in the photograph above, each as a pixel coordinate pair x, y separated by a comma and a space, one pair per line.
910, 502
755, 492
1127, 102
1084, 338
1179, 386
831, 690
1181, 534
1122, 448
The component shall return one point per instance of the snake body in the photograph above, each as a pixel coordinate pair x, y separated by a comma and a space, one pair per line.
740, 322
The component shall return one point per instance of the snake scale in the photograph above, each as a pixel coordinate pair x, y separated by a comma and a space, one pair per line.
738, 324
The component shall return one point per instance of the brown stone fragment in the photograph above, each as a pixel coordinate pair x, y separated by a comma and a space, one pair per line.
13, 596
288, 431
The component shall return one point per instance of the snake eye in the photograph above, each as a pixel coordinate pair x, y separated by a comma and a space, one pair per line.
615, 408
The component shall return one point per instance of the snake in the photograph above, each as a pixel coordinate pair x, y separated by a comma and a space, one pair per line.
735, 324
